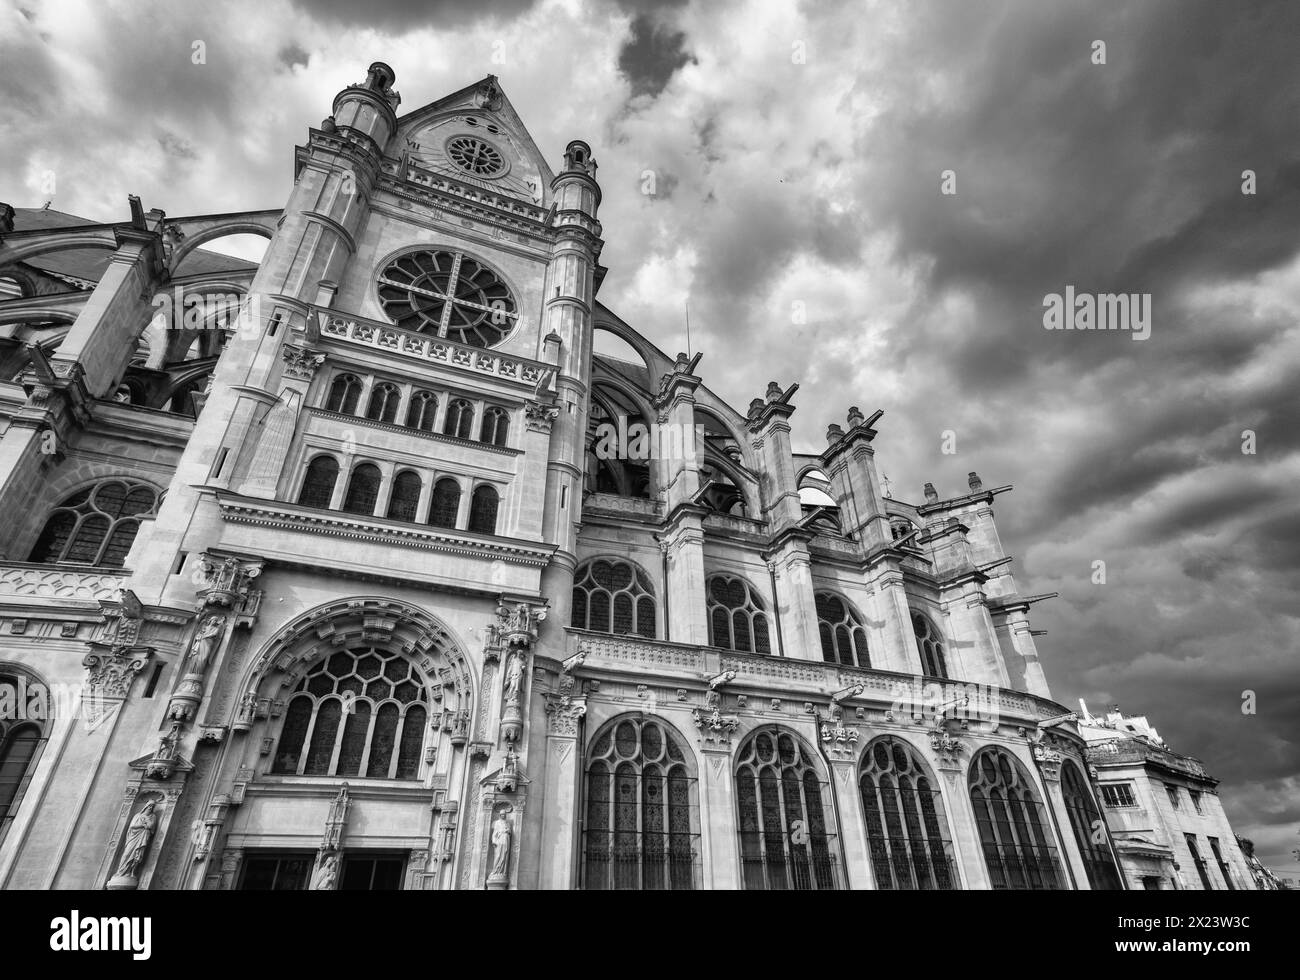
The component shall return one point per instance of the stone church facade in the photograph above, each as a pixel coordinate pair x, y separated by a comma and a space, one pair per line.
359, 567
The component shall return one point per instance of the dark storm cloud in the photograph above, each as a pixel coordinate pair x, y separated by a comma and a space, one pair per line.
654, 52
292, 55
395, 15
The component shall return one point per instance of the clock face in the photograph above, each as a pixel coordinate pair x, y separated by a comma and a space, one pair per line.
448, 294
476, 156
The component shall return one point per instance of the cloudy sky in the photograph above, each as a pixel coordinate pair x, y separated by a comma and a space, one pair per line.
797, 152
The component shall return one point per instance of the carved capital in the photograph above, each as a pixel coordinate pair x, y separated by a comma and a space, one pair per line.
540, 416
300, 362
563, 713
226, 580
517, 623
109, 672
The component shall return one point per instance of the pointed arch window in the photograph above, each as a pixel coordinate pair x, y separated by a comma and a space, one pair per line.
642, 818
405, 497
612, 596
930, 645
737, 616
460, 419
483, 510
345, 391
1012, 824
358, 712
97, 525
384, 399
421, 411
787, 836
495, 427
363, 490
23, 733
1087, 824
907, 831
445, 504
318, 486
844, 639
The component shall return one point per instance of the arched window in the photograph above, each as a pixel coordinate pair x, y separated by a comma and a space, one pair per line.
786, 832
344, 392
483, 510
844, 640
384, 399
736, 617
611, 596
97, 525
318, 486
642, 828
405, 497
421, 411
359, 712
900, 527
907, 833
1012, 824
1087, 825
459, 420
445, 504
363, 490
930, 645
23, 732
495, 427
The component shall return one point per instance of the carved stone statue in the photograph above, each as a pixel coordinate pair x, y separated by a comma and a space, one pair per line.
502, 831
138, 835
326, 872
514, 676
205, 645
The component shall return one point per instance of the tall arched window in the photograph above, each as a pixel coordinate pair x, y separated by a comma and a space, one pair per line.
445, 503
611, 596
345, 390
460, 418
930, 645
495, 427
1089, 829
907, 832
23, 732
318, 486
1012, 824
736, 617
483, 510
405, 497
97, 525
384, 399
787, 837
421, 411
844, 640
363, 490
642, 828
359, 712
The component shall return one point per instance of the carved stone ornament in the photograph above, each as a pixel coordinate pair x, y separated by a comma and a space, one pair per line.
540, 416
139, 835
301, 363
563, 713
109, 672
203, 649
714, 726
501, 838
165, 757
947, 747
226, 580
518, 622
840, 741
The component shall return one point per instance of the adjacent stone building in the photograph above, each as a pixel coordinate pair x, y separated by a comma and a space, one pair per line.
1166, 821
369, 566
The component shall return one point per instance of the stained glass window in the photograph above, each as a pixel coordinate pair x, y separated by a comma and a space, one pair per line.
907, 832
612, 596
844, 640
737, 620
318, 486
96, 526
1012, 824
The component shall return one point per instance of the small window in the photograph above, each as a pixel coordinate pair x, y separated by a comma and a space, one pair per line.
459, 420
344, 393
445, 504
96, 526
1173, 794
1196, 800
1117, 795
384, 399
363, 490
844, 640
420, 413
483, 510
318, 486
495, 427
611, 596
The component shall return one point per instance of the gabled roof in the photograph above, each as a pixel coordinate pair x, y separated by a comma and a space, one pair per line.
482, 110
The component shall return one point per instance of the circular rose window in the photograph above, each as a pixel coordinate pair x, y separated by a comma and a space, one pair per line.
476, 156
447, 294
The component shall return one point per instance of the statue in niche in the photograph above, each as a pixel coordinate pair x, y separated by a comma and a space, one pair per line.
138, 835
514, 677
205, 645
326, 872
502, 831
